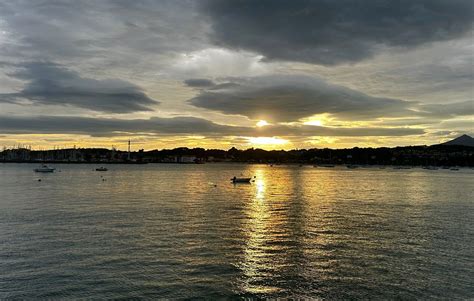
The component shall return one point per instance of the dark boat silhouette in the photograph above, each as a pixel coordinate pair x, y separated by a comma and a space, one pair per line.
240, 180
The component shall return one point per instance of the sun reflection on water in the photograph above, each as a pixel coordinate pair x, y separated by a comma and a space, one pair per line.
259, 186
261, 255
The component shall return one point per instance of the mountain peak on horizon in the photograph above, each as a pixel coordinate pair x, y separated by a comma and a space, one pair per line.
464, 140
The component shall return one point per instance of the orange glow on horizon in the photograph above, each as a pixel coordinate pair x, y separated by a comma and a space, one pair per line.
267, 141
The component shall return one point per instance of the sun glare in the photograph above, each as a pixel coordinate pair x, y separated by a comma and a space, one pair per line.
267, 141
318, 120
314, 122
262, 123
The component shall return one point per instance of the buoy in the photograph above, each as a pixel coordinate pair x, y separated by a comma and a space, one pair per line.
39, 180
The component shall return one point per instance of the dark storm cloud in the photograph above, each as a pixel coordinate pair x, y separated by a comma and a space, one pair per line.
107, 29
289, 98
49, 83
174, 126
331, 32
199, 82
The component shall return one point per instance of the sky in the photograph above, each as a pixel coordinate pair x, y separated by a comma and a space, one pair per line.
271, 74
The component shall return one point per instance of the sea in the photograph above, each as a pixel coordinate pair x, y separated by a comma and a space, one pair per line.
177, 232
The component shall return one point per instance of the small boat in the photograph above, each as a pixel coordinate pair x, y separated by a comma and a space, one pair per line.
352, 166
44, 168
454, 168
101, 169
240, 180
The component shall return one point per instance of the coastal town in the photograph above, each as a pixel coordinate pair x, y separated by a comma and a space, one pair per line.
447, 154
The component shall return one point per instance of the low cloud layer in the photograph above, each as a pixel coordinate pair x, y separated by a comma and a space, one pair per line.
308, 130
332, 32
289, 98
113, 126
464, 108
52, 84
175, 126
281, 98
199, 82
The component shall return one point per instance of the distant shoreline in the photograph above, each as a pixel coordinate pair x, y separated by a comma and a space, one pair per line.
436, 155
79, 162
322, 166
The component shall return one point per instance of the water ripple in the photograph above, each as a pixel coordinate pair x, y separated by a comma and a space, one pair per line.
185, 232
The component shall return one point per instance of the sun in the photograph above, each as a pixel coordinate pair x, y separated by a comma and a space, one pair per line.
262, 123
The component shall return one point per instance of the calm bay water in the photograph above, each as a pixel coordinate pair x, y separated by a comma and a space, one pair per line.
184, 231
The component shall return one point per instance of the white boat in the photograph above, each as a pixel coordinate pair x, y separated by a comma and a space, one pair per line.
44, 168
240, 180
101, 169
